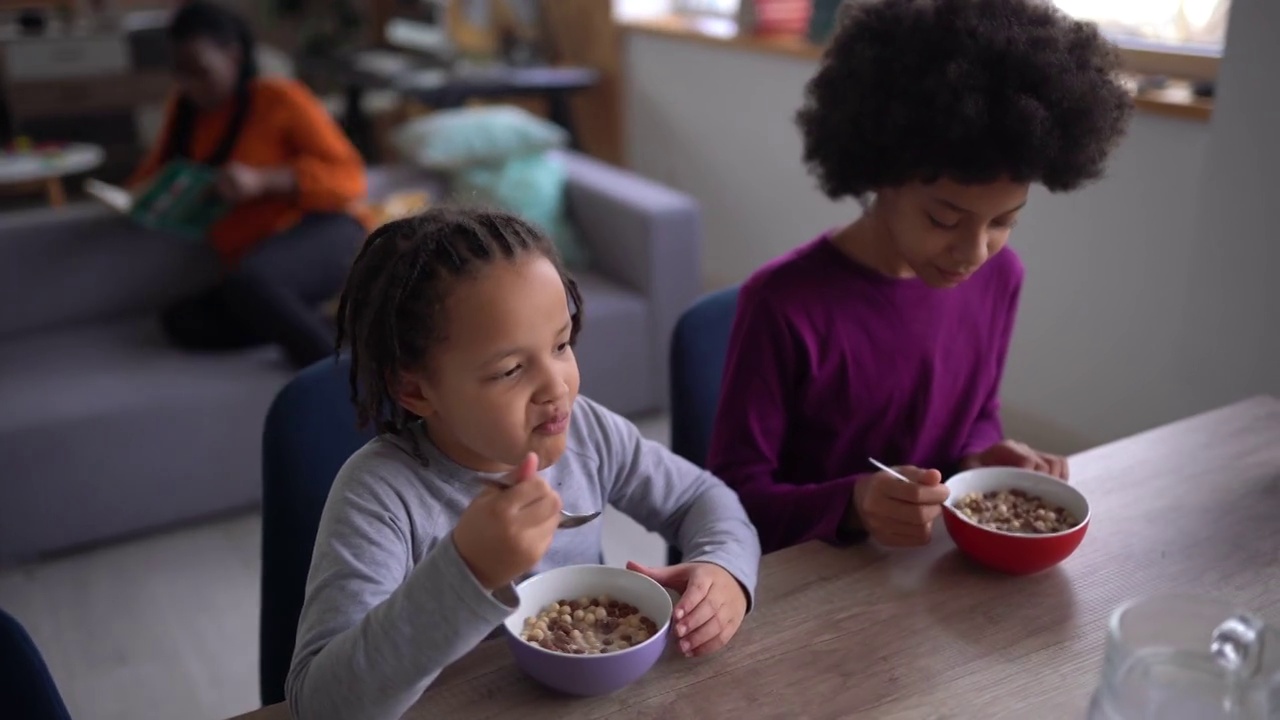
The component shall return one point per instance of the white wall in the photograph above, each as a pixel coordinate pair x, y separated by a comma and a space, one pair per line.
1147, 295
1233, 299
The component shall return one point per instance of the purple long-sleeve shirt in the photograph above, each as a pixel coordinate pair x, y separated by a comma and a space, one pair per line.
831, 363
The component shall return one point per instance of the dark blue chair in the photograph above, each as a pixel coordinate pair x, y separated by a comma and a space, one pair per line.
699, 345
310, 432
27, 689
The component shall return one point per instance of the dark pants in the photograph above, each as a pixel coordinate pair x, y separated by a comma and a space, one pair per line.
272, 297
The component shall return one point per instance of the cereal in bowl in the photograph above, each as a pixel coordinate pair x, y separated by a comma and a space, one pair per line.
1015, 511
588, 626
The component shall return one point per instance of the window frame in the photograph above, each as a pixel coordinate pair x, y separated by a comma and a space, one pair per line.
1139, 55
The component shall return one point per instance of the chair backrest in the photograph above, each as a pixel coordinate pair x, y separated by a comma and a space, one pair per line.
27, 689
699, 345
310, 432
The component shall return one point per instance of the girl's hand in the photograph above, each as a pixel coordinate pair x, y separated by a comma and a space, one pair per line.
711, 607
503, 533
1011, 453
898, 514
239, 183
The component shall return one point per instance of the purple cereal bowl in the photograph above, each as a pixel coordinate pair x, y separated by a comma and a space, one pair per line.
589, 675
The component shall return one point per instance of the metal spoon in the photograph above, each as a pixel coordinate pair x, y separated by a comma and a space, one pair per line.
904, 479
567, 519
889, 470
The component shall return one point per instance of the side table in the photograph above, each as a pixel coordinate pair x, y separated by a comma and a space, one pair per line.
49, 166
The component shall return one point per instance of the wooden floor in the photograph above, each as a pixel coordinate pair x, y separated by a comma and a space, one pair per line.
167, 626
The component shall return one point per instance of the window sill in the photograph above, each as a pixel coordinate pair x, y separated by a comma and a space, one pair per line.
1175, 101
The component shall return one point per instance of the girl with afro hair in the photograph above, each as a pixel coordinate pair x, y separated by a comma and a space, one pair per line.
887, 338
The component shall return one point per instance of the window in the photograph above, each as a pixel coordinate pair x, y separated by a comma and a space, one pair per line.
1198, 25
1192, 25
1176, 38
707, 7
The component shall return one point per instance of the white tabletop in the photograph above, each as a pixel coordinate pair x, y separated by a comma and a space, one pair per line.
36, 165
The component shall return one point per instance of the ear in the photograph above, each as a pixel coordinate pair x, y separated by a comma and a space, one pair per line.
412, 393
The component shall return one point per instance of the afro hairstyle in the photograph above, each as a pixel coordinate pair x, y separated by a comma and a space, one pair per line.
969, 90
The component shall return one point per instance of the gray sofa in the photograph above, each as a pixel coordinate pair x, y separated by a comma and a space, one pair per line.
106, 432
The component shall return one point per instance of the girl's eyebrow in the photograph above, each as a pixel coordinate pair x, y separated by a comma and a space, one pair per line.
508, 352
966, 211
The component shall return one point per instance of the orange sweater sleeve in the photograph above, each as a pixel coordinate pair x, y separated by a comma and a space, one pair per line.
329, 171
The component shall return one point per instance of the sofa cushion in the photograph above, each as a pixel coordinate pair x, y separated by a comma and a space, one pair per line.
82, 263
106, 430
614, 344
462, 137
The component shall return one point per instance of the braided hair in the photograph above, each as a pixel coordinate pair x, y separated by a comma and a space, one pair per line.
200, 19
391, 309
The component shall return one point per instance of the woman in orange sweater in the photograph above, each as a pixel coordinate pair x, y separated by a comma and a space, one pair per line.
295, 182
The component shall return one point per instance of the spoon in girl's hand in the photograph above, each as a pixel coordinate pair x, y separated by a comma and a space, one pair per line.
903, 478
889, 470
567, 519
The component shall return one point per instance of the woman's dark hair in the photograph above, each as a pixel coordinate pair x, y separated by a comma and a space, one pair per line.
202, 20
969, 90
391, 309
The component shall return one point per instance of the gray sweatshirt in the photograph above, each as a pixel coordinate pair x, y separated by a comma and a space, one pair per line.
389, 603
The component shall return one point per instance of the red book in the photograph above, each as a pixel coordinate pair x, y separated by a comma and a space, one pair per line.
776, 17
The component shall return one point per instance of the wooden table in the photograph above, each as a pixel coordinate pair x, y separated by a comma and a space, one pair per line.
871, 633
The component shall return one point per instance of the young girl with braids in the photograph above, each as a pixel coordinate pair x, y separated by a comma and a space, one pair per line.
295, 183
461, 325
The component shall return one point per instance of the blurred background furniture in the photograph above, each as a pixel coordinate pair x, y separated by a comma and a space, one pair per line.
84, 81
441, 89
47, 167
106, 431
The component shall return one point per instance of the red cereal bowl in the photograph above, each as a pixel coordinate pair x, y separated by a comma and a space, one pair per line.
1010, 552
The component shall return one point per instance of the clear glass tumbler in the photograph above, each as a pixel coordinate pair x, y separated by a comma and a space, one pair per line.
1188, 658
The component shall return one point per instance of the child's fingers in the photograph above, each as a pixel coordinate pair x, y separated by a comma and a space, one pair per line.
526, 470
1056, 466
527, 492
916, 493
920, 476
701, 635
910, 515
712, 645
727, 631
543, 509
697, 589
901, 536
695, 618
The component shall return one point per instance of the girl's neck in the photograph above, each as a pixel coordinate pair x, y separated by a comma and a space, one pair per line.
868, 242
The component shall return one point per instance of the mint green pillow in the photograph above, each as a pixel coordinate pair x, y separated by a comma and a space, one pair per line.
453, 139
530, 186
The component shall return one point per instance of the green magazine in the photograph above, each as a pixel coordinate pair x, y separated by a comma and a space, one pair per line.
181, 198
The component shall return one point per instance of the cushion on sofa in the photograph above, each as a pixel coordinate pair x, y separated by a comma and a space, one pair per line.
448, 140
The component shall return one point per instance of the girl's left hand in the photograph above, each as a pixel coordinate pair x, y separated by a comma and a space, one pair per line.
1011, 453
711, 607
238, 182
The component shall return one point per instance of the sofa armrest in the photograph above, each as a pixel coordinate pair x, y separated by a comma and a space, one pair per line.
643, 235
83, 262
